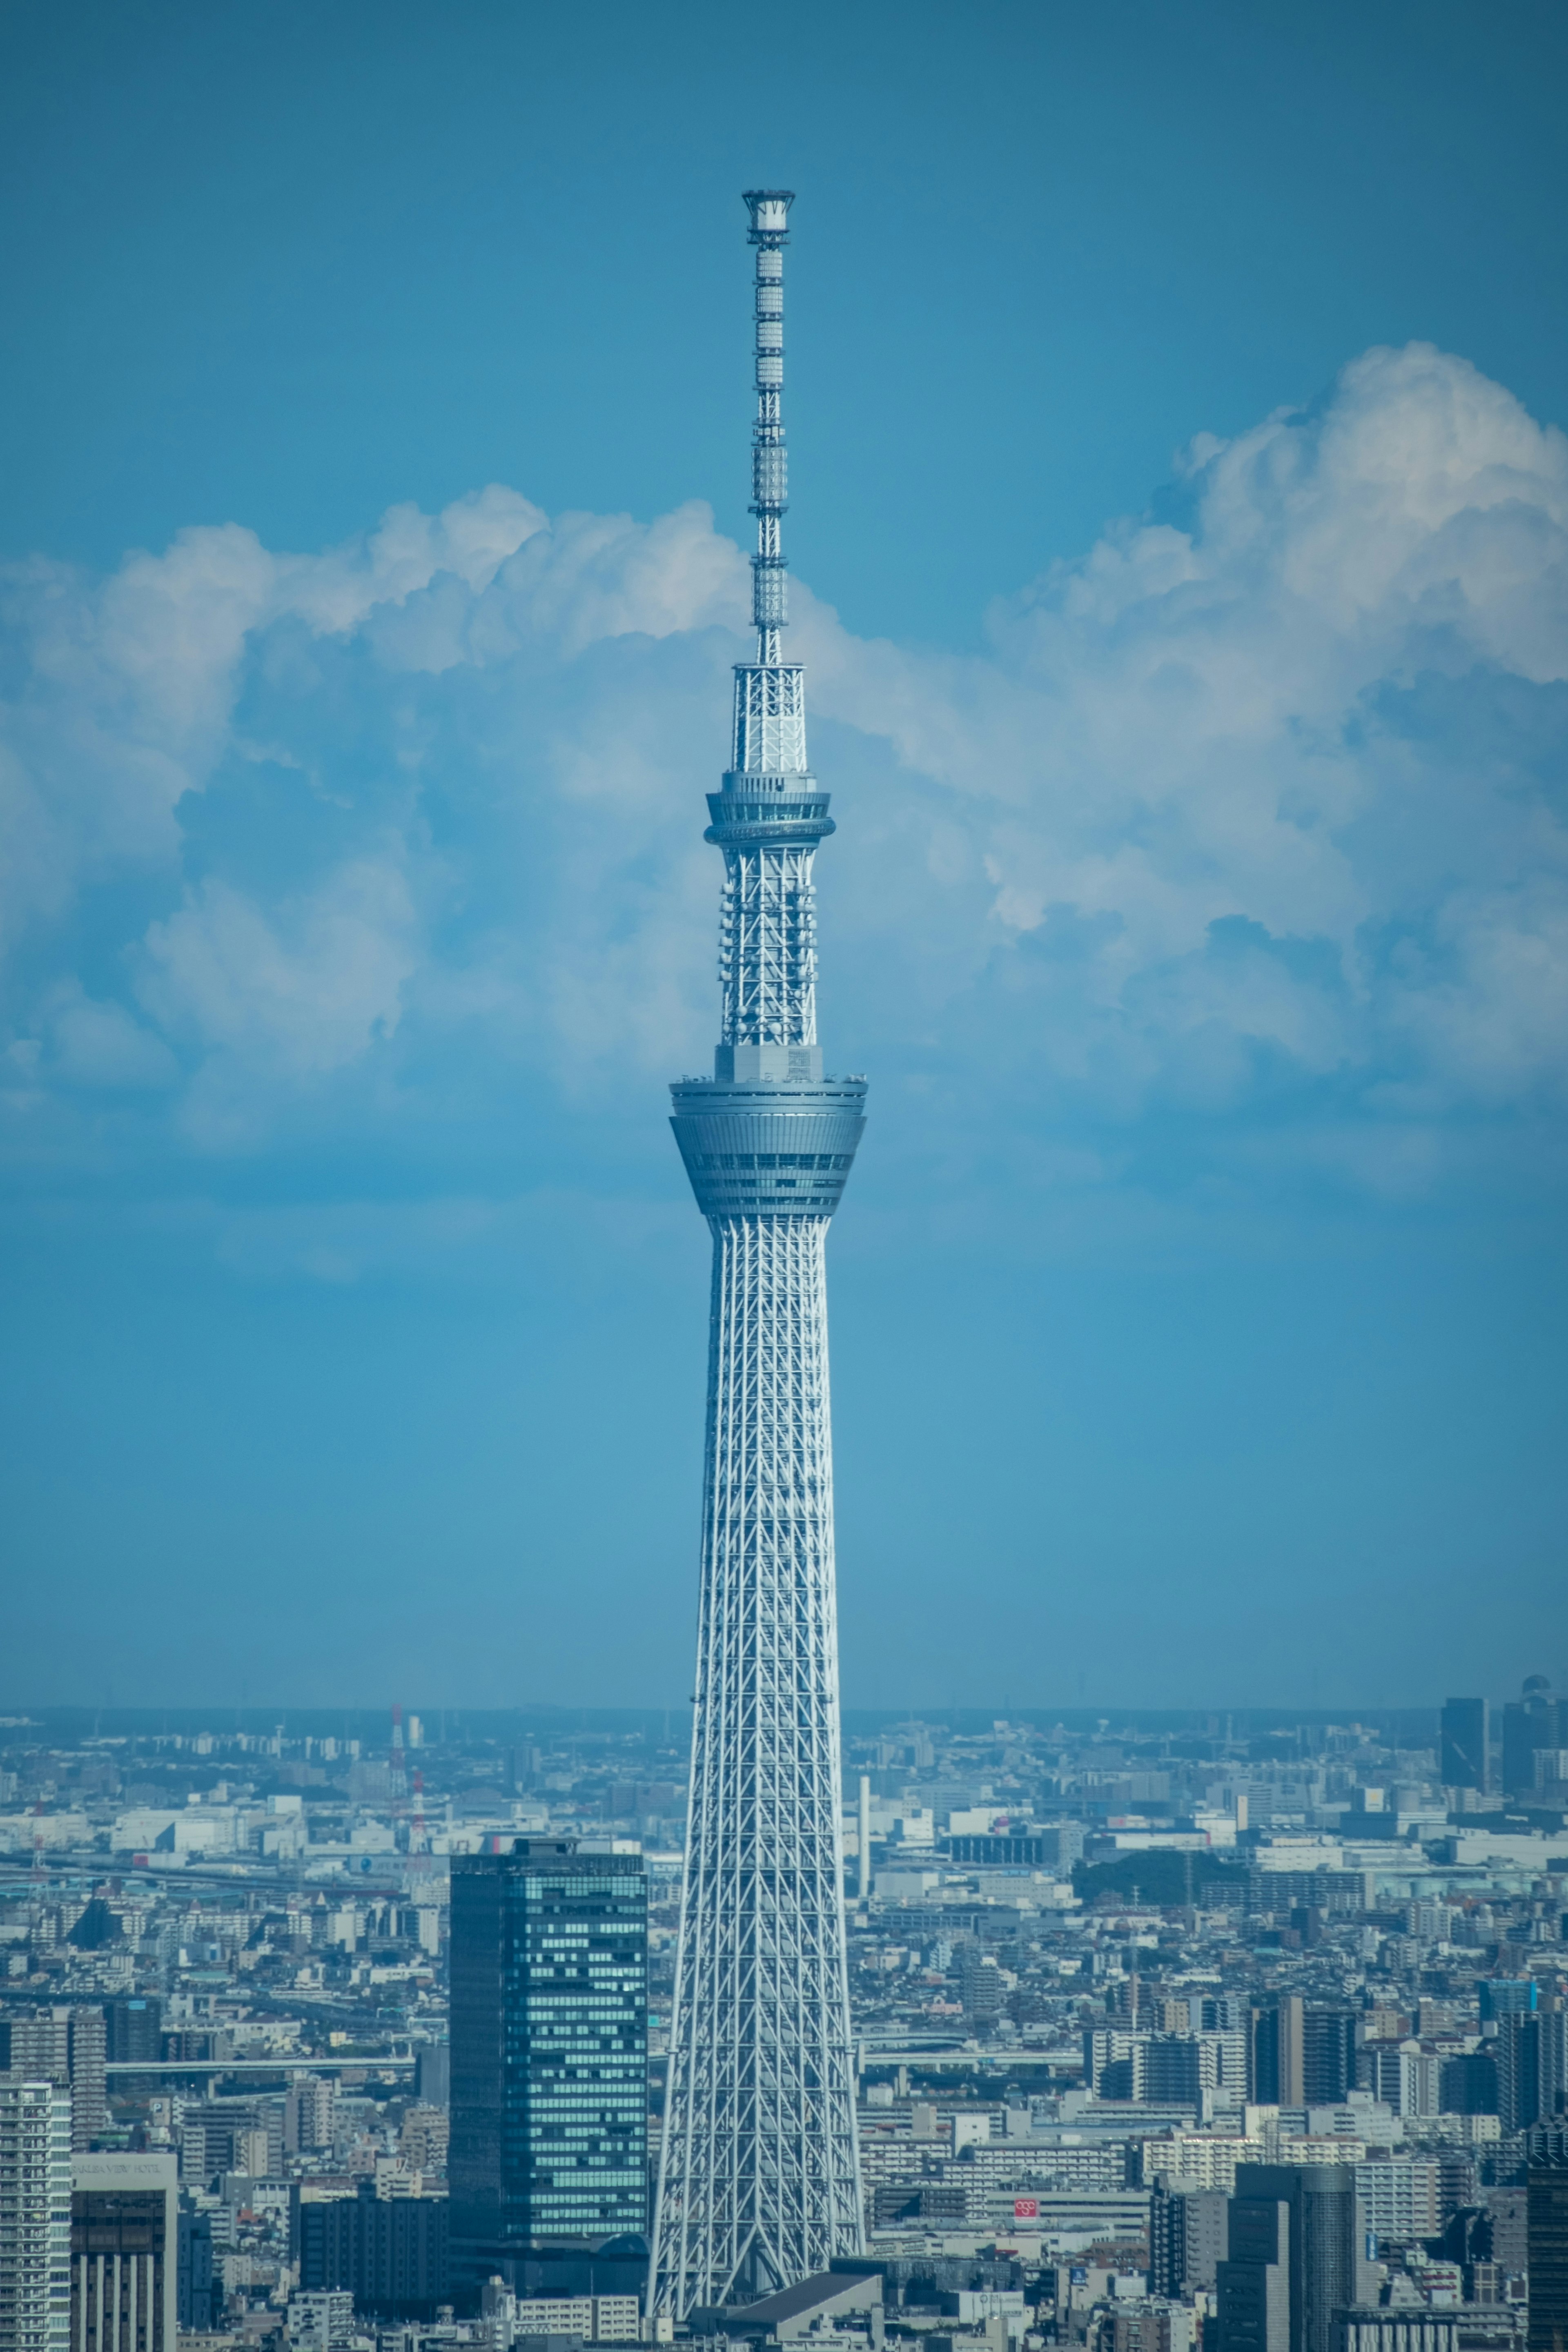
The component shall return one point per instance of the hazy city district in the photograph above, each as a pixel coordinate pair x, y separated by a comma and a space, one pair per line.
1244, 2031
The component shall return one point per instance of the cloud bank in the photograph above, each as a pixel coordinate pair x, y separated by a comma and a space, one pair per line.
1238, 855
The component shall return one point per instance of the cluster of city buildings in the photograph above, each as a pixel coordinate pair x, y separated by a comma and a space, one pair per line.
1251, 2039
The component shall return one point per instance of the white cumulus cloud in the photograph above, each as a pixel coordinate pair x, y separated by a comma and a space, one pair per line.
1256, 809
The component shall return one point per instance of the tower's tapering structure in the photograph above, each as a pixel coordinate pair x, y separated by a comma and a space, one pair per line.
759, 2185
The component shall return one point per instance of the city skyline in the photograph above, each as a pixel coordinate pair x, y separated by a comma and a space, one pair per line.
305, 2037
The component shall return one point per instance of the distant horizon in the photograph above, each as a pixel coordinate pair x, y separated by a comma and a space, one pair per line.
363, 1722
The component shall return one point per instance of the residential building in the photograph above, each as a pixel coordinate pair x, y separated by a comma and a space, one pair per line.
1188, 2239
65, 2045
1468, 2084
35, 2215
1529, 2054
1400, 2198
198, 2290
320, 2320
1403, 2076
1327, 2054
135, 2026
1278, 2070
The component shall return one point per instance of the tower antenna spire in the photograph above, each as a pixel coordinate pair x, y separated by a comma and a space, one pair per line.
769, 234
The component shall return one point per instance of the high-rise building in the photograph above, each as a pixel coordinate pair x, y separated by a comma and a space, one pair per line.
37, 2044
1180, 2069
198, 2293
1400, 2200
309, 2112
1535, 1719
1548, 2245
548, 2157
1532, 2056
1508, 1997
64, 2045
1468, 2085
124, 2253
135, 2029
1188, 2239
35, 2215
1328, 2056
433, 2075
86, 2046
1403, 2076
1278, 2052
759, 2181
1253, 2282
1465, 1748
391, 2255
1298, 2224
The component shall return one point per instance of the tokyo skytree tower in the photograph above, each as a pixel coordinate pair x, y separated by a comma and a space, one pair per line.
759, 2184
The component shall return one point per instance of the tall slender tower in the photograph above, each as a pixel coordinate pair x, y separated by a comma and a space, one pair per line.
759, 2185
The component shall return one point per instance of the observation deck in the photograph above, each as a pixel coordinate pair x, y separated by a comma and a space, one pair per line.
769, 1147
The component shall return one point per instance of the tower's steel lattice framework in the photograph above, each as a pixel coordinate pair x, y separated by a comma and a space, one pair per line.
759, 2185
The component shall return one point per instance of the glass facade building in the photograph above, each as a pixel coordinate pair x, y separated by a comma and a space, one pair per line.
548, 2158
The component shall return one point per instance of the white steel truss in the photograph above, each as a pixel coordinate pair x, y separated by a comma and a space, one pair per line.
769, 721
759, 2180
760, 2185
767, 947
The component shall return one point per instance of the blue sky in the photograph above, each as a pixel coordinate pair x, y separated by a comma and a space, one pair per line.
1181, 511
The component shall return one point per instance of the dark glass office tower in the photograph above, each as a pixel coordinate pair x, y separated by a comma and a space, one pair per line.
1548, 2250
548, 2160
1535, 1719
1465, 1744
1328, 2056
1292, 2257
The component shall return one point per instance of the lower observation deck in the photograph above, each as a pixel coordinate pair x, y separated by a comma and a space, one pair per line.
769, 1150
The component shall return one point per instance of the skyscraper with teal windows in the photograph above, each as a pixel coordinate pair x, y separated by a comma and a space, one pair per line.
548, 2158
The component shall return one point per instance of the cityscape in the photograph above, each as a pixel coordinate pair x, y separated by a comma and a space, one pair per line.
1200, 1330
1123, 1995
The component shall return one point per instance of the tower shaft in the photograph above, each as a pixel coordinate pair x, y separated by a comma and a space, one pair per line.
759, 2183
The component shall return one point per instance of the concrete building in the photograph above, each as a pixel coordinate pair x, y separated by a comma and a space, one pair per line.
390, 2255
124, 2249
1399, 2198
34, 2216
1278, 2054
1188, 2240
1403, 2330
